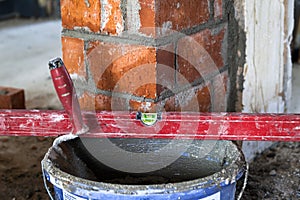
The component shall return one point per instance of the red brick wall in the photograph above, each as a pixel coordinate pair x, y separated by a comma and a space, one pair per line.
148, 55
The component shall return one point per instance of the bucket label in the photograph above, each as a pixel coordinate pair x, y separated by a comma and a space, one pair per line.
216, 196
70, 196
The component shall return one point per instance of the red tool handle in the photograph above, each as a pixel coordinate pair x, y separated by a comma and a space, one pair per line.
66, 92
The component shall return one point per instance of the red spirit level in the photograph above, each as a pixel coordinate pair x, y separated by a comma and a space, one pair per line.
169, 125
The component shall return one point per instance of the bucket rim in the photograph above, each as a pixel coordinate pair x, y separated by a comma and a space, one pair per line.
226, 176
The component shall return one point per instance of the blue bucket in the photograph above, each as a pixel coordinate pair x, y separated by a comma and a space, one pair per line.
70, 172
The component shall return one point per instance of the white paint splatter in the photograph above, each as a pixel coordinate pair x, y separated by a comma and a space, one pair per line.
56, 117
223, 129
146, 106
22, 126
166, 27
133, 16
297, 128
257, 125
105, 13
84, 28
2, 123
119, 28
36, 117
87, 3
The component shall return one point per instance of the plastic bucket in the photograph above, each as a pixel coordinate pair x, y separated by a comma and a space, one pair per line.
75, 174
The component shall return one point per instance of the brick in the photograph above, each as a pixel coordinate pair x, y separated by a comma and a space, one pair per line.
73, 55
93, 102
147, 17
12, 98
87, 101
194, 100
204, 99
199, 100
218, 9
170, 104
212, 41
111, 17
142, 106
85, 14
147, 90
123, 68
181, 14
219, 94
199, 55
102, 102
165, 58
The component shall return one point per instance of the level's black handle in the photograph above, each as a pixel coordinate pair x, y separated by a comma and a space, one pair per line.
66, 92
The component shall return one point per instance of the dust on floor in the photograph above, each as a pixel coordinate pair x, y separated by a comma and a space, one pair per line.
275, 174
20, 168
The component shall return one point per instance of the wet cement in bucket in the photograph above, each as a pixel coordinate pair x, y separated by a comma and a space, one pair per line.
73, 158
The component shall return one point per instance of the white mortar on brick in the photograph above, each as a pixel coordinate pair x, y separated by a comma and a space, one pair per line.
166, 27
105, 13
133, 16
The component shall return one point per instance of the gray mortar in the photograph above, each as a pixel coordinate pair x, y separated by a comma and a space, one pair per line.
236, 56
211, 4
123, 8
137, 39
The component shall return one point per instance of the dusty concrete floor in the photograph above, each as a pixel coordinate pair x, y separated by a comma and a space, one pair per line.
26, 46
